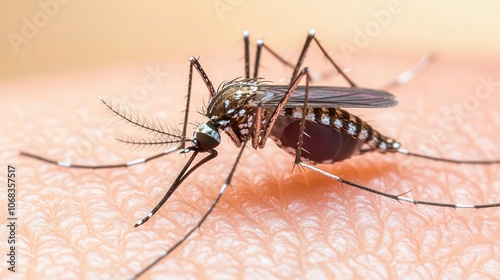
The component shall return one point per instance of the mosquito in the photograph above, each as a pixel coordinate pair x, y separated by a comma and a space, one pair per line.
305, 120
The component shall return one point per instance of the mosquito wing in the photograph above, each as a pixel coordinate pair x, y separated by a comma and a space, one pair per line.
327, 97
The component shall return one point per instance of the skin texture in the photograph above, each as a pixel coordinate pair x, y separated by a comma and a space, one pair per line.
272, 223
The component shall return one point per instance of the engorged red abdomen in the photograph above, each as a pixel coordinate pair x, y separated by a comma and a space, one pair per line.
324, 144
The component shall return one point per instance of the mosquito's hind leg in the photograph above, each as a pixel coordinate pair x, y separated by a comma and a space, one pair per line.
398, 197
403, 78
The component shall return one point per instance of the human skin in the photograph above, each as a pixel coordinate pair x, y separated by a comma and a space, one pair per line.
272, 223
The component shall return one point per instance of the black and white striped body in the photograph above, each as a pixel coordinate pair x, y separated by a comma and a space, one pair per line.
234, 106
331, 134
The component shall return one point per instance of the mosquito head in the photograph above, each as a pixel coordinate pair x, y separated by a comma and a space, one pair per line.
206, 136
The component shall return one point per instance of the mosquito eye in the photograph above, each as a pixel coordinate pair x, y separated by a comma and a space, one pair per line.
207, 136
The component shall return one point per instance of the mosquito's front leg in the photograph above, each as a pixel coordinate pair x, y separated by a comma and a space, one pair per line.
200, 222
178, 181
127, 164
147, 124
194, 62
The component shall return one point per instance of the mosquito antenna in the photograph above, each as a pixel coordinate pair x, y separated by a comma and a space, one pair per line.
157, 140
405, 152
139, 120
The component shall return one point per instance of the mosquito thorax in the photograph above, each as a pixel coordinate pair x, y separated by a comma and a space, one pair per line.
232, 109
207, 136
232, 100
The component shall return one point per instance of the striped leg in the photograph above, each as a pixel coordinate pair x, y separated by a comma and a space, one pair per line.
399, 197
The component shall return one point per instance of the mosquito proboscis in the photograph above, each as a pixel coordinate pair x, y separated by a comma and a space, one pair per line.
305, 120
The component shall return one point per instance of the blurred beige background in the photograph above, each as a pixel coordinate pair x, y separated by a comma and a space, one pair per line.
57, 55
53, 36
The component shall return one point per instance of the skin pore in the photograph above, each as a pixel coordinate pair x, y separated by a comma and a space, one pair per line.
271, 223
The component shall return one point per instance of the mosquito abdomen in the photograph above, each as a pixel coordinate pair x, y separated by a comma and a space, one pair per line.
321, 143
330, 135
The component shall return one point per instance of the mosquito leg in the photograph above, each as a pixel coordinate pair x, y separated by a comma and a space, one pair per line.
194, 62
256, 126
333, 63
178, 181
247, 53
188, 101
411, 73
399, 197
280, 107
298, 65
127, 164
401, 79
260, 45
302, 56
405, 152
142, 123
200, 222
260, 42
303, 121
